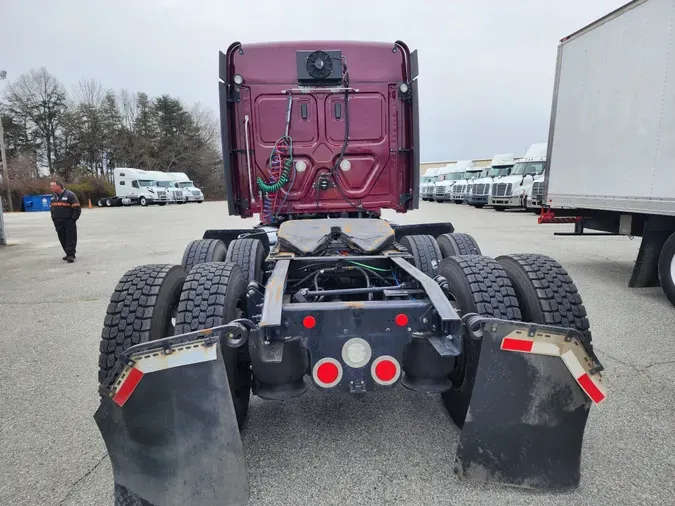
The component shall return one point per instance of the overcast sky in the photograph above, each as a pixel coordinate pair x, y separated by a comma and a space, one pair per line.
486, 66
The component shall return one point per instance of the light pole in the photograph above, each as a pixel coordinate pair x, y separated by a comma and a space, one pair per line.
3, 156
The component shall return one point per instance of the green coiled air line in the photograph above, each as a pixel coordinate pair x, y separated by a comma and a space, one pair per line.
283, 179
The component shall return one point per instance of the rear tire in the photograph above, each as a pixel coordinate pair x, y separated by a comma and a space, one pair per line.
141, 309
108, 202
667, 268
249, 254
215, 294
202, 251
546, 293
425, 251
457, 244
478, 285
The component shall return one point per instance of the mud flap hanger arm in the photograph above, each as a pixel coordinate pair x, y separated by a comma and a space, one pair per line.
233, 334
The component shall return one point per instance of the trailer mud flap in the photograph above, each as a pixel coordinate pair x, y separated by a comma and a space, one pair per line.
171, 431
528, 410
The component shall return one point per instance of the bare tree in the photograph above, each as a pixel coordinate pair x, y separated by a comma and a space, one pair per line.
40, 98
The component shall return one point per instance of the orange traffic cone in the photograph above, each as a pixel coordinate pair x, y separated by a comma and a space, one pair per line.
90, 206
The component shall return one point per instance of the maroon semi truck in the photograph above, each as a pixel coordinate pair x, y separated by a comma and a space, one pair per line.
318, 138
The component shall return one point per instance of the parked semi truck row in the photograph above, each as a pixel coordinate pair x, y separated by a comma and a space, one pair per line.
611, 150
140, 187
512, 191
500, 166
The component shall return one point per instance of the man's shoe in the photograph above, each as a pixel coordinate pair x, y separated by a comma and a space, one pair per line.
70, 259
65, 257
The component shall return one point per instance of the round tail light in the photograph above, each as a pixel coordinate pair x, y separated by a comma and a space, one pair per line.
327, 372
385, 370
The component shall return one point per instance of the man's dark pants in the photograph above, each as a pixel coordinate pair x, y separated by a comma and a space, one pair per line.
67, 232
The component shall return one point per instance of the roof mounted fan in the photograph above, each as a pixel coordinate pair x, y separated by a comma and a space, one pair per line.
319, 67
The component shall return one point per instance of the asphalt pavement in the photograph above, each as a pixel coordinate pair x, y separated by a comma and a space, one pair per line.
394, 448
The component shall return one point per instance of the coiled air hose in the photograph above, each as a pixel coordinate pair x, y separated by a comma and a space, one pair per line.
283, 179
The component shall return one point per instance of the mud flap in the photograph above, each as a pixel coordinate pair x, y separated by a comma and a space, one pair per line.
527, 415
171, 431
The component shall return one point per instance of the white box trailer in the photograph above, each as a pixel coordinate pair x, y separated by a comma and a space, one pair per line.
611, 149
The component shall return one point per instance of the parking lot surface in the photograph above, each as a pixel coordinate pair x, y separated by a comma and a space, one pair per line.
396, 448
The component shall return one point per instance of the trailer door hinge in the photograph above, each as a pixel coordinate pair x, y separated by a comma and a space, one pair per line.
404, 198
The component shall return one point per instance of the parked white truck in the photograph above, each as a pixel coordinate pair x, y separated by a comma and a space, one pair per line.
469, 173
500, 166
134, 187
427, 182
190, 192
168, 184
511, 191
611, 152
447, 177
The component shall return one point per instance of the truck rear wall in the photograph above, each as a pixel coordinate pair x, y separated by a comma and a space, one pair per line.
612, 138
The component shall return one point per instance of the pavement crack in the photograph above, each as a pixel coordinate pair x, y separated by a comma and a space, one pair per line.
660, 363
81, 478
34, 303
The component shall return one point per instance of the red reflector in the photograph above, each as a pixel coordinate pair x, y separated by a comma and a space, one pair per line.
401, 320
511, 344
309, 322
385, 370
327, 372
127, 387
589, 387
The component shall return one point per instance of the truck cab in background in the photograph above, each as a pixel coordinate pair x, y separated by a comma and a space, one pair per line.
134, 186
164, 180
190, 192
512, 191
427, 184
469, 173
447, 176
500, 166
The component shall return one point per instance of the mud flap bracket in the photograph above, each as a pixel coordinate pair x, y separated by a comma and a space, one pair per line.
528, 410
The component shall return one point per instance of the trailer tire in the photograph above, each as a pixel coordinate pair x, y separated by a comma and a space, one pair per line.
249, 254
201, 251
479, 285
214, 294
667, 268
425, 251
141, 309
546, 293
457, 244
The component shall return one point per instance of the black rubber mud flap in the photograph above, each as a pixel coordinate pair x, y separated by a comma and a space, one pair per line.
526, 418
175, 440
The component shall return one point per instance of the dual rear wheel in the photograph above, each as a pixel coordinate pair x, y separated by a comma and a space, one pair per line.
209, 289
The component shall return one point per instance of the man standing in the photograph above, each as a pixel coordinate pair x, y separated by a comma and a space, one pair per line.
66, 211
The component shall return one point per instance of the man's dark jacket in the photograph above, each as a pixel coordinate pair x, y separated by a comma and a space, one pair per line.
65, 206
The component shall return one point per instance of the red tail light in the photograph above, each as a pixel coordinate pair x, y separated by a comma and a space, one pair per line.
327, 372
385, 370
309, 322
401, 320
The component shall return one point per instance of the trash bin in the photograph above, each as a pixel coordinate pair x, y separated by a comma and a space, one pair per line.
36, 203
